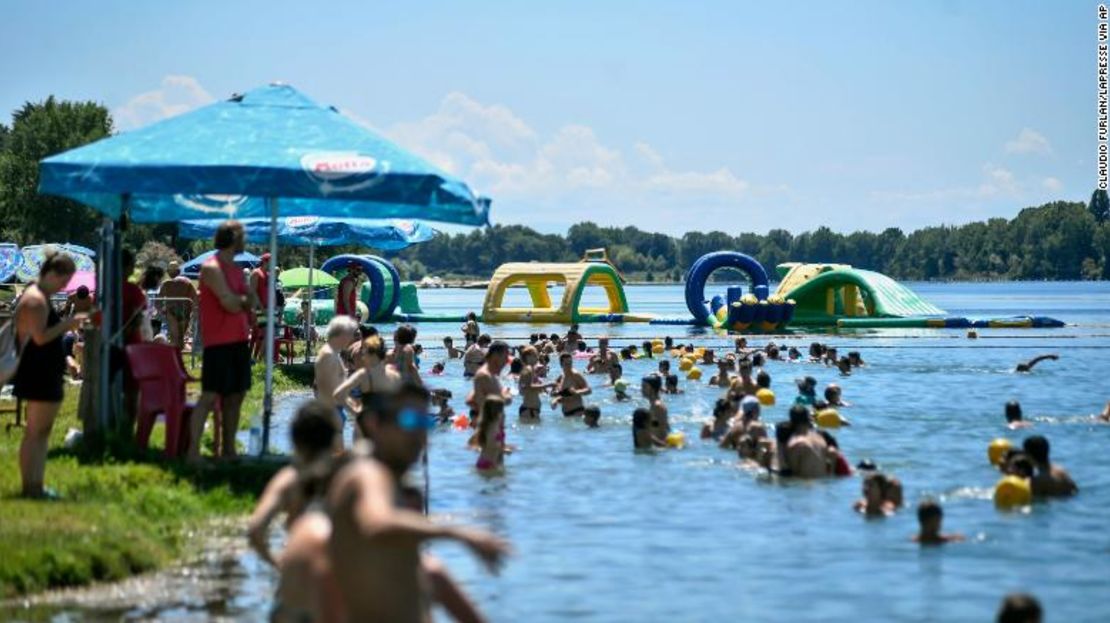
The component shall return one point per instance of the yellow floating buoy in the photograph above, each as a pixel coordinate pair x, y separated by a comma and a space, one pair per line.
657, 348
1012, 491
676, 439
830, 418
766, 397
997, 449
694, 373
685, 364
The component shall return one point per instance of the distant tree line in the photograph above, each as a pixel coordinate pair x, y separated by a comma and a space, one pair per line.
1059, 240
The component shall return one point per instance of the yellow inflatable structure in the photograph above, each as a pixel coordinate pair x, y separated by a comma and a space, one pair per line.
538, 278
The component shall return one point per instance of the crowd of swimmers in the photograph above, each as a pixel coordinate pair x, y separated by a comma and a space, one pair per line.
354, 519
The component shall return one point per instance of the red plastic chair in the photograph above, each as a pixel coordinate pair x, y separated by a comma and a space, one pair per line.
161, 386
286, 340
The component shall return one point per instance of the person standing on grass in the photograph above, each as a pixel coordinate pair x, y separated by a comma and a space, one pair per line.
178, 296
39, 379
225, 310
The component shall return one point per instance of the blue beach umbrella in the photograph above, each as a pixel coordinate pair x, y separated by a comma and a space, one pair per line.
228, 158
270, 152
191, 269
318, 231
10, 260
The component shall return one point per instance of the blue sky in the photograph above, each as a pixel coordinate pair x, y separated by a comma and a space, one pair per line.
672, 116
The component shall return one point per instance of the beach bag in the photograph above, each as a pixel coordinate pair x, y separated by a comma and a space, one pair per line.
9, 352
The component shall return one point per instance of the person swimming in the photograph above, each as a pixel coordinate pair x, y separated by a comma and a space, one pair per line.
876, 501
1019, 608
643, 438
833, 396
807, 391
930, 516
672, 385
1027, 366
1050, 479
1014, 419
722, 379
723, 411
591, 417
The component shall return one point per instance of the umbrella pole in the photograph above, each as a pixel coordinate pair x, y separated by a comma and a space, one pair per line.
268, 396
103, 293
309, 323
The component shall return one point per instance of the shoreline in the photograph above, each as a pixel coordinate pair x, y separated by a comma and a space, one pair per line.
118, 517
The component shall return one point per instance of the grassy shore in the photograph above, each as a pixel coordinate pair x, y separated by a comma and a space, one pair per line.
118, 516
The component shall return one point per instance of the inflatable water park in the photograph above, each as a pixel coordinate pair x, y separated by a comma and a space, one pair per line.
808, 295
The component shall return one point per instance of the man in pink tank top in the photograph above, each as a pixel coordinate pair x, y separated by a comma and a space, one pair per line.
226, 310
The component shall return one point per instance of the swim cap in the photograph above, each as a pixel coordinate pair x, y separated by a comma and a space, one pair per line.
997, 449
830, 418
620, 386
685, 364
676, 439
694, 373
766, 397
1012, 491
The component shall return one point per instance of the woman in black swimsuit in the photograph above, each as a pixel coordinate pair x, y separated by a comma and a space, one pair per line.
39, 380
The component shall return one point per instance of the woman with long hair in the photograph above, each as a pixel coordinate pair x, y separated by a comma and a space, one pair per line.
39, 379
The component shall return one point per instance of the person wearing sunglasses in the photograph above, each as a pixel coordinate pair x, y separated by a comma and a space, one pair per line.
375, 545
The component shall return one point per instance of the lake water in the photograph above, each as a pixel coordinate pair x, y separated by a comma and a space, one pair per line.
605, 534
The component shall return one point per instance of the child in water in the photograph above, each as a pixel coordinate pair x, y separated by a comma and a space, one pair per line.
930, 515
650, 388
642, 436
876, 500
491, 435
592, 416
672, 385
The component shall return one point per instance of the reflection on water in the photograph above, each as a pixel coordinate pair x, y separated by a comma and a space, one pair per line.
605, 534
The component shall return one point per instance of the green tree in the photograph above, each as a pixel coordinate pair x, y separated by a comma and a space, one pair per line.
1099, 206
39, 130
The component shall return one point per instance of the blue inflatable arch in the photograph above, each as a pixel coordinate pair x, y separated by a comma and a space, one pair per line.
707, 264
385, 282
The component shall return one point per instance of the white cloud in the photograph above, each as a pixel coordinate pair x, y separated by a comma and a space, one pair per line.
177, 94
500, 154
1028, 141
996, 182
1052, 184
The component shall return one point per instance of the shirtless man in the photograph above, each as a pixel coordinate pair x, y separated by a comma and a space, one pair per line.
449, 346
375, 543
570, 387
475, 356
1028, 365
80, 302
807, 453
744, 383
1050, 480
178, 309
487, 380
530, 387
573, 338
329, 369
722, 379
604, 359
